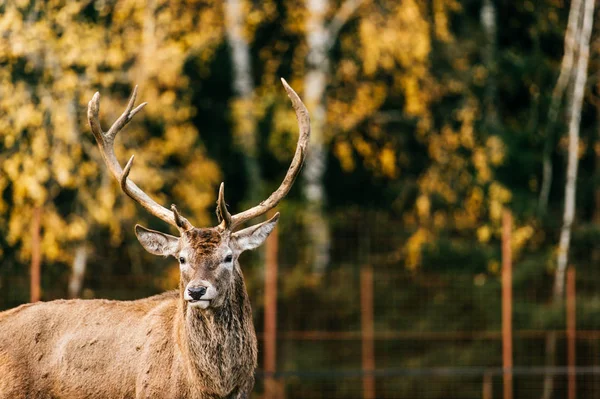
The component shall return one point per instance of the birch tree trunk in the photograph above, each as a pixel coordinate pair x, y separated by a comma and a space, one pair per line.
574, 117
81, 252
243, 87
320, 37
148, 36
566, 68
78, 271
315, 83
36, 255
488, 21
573, 158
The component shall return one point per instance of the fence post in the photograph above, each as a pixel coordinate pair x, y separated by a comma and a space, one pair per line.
367, 335
571, 332
487, 389
36, 256
507, 360
270, 327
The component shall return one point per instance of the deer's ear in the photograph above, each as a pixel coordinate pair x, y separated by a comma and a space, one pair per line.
253, 236
155, 242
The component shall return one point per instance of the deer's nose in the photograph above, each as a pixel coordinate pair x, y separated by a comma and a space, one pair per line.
197, 292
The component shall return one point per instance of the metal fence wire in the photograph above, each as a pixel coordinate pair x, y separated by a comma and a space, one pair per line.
432, 337
370, 327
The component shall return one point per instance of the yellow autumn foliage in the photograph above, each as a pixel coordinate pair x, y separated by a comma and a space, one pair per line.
48, 150
414, 247
47, 146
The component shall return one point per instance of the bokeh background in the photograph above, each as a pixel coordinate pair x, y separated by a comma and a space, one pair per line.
431, 119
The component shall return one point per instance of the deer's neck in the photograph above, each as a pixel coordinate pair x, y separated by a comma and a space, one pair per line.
219, 345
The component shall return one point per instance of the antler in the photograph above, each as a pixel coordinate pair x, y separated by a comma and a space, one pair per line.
229, 221
106, 141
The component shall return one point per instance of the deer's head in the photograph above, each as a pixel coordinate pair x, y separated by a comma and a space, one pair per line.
208, 257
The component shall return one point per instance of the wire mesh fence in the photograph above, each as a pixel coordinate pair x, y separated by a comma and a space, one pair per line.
436, 383
436, 331
422, 360
371, 327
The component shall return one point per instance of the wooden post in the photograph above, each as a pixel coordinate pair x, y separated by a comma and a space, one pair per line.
36, 256
571, 331
487, 390
367, 331
507, 360
270, 336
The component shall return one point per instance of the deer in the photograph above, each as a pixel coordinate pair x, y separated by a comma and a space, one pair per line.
194, 342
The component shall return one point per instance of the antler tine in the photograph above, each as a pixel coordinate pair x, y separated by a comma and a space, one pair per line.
181, 222
222, 212
293, 171
105, 142
126, 116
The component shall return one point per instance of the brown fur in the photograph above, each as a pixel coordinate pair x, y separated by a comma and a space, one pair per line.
203, 241
156, 347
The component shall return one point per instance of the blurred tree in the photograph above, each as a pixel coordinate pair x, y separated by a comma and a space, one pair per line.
347, 56
320, 38
564, 77
489, 24
580, 40
243, 105
454, 187
55, 56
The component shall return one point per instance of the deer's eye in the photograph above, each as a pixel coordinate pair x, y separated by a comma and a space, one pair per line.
181, 260
228, 258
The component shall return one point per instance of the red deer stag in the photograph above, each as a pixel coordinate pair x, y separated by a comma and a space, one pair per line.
197, 342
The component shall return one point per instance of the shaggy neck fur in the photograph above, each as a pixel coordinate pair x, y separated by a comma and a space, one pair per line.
219, 344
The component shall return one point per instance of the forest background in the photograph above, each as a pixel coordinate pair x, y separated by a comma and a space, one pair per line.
429, 119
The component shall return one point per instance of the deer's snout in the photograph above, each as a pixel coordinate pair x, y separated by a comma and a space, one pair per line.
200, 293
197, 292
